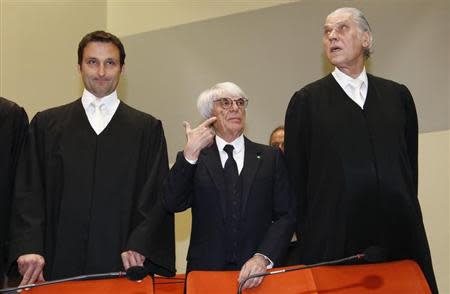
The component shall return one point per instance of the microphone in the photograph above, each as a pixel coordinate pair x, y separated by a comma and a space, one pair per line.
133, 273
136, 273
371, 255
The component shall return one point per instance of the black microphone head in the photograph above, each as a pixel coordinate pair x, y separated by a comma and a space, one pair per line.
136, 273
374, 254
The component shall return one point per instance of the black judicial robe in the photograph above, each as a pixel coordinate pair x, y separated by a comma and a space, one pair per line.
354, 172
13, 129
82, 199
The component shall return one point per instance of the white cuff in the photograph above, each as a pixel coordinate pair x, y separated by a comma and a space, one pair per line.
191, 161
270, 265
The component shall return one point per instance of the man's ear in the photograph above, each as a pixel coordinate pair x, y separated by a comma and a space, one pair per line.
122, 69
366, 40
79, 68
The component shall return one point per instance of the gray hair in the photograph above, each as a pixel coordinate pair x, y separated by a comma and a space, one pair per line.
207, 97
362, 23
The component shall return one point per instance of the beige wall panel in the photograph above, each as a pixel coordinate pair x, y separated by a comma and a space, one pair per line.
415, 53
132, 17
434, 194
39, 41
183, 222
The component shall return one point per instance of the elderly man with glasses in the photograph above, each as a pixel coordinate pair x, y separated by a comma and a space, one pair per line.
238, 190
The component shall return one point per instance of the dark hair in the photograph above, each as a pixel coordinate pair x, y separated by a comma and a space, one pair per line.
279, 128
104, 37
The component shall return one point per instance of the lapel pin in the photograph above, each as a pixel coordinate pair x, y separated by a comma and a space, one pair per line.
258, 156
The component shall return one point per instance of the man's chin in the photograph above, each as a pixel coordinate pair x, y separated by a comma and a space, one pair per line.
101, 94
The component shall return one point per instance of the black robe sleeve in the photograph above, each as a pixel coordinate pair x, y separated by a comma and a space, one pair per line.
411, 137
28, 212
411, 133
297, 142
13, 129
153, 227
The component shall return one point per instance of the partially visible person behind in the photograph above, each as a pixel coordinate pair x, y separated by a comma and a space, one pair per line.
351, 150
13, 130
242, 215
88, 187
277, 138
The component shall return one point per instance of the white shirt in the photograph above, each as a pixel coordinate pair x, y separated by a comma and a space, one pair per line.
108, 107
346, 81
238, 151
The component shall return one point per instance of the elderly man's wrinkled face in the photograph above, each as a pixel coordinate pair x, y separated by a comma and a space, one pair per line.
230, 116
343, 42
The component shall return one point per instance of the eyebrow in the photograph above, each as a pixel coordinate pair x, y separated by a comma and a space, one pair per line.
326, 26
96, 58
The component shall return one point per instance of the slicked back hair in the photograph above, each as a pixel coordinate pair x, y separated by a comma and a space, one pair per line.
103, 37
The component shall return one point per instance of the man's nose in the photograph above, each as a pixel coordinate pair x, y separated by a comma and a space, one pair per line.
234, 105
101, 70
332, 35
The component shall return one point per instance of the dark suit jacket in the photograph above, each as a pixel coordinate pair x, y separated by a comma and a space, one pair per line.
267, 215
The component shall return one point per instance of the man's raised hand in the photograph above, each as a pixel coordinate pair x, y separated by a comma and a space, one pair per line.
198, 138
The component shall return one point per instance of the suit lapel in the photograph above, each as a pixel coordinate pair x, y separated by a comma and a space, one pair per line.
214, 167
252, 161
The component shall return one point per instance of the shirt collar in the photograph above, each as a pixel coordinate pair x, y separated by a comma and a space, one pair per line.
238, 143
108, 101
344, 80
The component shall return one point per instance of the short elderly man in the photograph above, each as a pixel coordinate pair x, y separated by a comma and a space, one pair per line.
351, 149
238, 190
87, 196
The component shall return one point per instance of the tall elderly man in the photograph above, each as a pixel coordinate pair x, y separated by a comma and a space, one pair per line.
88, 193
351, 149
242, 217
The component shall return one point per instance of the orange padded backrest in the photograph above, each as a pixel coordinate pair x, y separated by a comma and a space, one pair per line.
105, 286
382, 278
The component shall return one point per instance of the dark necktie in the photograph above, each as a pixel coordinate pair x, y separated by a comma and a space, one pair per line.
230, 168
233, 206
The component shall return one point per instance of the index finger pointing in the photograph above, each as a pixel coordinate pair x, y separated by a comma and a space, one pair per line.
208, 122
187, 126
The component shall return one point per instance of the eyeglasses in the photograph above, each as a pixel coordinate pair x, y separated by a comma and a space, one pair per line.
227, 103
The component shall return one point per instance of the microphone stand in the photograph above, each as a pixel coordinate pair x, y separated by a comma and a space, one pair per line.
302, 267
77, 278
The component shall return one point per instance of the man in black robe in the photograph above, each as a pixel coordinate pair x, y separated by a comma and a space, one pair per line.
351, 148
13, 129
87, 196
